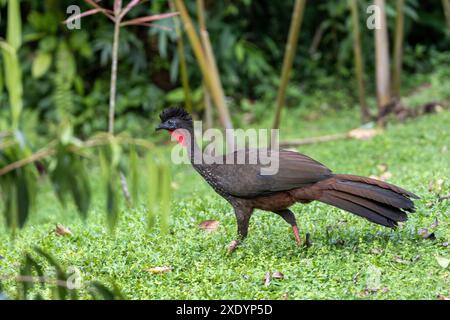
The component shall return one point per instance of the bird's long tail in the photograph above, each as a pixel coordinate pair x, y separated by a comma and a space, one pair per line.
377, 201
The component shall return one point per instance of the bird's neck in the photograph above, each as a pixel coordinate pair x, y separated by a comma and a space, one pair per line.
189, 142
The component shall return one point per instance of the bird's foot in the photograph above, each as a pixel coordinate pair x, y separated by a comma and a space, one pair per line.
232, 246
297, 235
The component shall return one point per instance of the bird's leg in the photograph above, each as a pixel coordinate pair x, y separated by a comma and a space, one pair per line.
289, 217
243, 218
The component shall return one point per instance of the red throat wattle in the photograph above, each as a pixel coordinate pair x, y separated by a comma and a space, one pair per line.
179, 137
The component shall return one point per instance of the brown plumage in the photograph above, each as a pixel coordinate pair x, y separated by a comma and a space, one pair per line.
299, 179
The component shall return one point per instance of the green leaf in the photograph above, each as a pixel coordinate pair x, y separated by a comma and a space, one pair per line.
61, 291
165, 196
152, 190
112, 201
13, 81
14, 27
79, 186
98, 288
25, 270
134, 174
443, 262
41, 64
23, 197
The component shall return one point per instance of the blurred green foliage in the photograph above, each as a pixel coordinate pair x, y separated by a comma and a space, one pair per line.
66, 72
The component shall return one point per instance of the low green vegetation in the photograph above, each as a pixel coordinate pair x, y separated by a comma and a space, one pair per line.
349, 258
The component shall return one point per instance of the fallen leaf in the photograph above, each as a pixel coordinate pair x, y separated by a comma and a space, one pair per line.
442, 297
285, 296
159, 269
209, 225
267, 279
277, 275
376, 251
400, 260
443, 262
61, 231
382, 177
363, 134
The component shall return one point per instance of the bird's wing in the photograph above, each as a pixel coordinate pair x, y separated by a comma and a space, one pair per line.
295, 170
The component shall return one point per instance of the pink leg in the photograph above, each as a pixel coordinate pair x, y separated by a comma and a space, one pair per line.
296, 234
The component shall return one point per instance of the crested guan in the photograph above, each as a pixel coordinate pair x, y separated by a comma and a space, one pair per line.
299, 179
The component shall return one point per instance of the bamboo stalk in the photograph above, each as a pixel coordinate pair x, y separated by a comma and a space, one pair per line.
210, 74
182, 59
398, 50
206, 96
446, 5
382, 61
359, 66
297, 16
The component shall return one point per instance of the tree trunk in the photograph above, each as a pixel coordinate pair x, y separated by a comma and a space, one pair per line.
382, 61
398, 51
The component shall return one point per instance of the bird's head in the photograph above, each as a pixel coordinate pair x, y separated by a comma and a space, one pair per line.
177, 122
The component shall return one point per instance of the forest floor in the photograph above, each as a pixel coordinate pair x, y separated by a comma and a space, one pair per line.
349, 258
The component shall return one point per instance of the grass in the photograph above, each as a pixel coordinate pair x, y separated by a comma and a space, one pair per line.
348, 255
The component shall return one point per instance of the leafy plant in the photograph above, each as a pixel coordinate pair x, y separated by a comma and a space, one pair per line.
117, 15
34, 280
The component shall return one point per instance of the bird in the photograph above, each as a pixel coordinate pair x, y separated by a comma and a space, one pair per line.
299, 179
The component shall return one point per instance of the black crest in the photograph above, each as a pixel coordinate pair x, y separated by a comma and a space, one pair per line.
175, 112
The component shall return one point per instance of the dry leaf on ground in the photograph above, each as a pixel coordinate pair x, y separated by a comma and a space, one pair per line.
209, 225
363, 134
163, 269
61, 230
277, 275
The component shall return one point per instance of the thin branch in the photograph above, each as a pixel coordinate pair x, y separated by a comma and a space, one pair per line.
23, 162
147, 19
129, 6
104, 139
313, 140
112, 94
36, 279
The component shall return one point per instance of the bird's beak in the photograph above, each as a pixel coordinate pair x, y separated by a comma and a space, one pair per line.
162, 126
